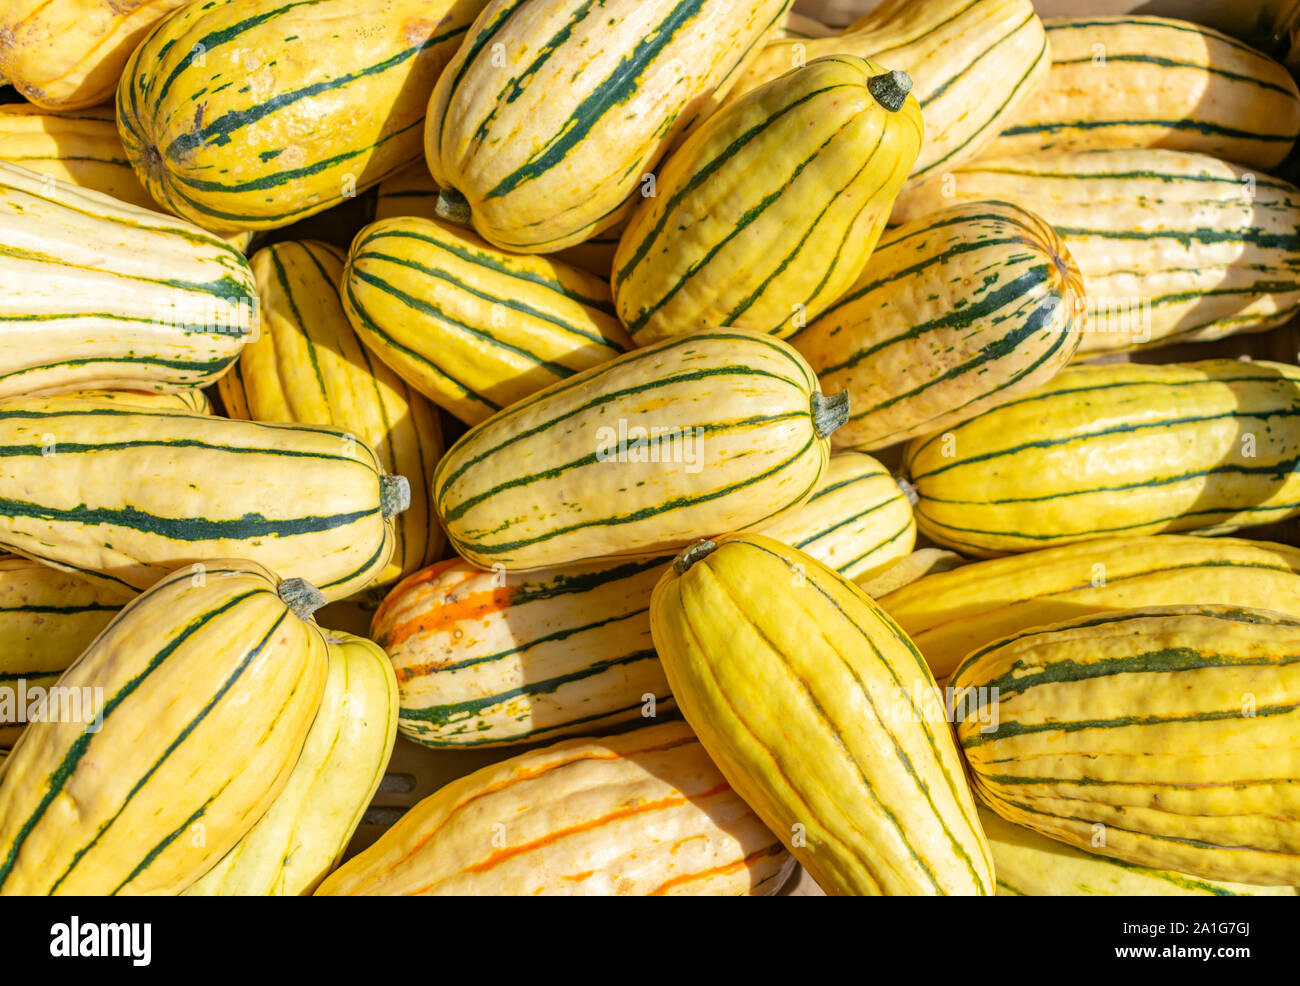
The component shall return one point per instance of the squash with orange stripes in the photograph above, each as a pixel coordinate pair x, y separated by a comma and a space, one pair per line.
645, 813
489, 658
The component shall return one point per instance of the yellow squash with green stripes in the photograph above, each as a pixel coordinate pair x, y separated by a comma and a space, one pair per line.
949, 614
47, 618
954, 314
768, 211
122, 793
471, 327
192, 401
1031, 865
1173, 246
1118, 449
643, 813
859, 521
308, 366
1129, 82
551, 115
717, 431
1156, 736
234, 118
822, 715
82, 148
132, 493
65, 54
973, 63
96, 293
305, 831
490, 659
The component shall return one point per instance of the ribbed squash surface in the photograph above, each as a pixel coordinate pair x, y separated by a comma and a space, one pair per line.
489, 658
551, 114
472, 327
1119, 449
716, 431
644, 813
305, 831
823, 717
47, 618
234, 119
308, 366
1173, 246
1154, 82
185, 488
1163, 736
98, 293
954, 313
768, 211
66, 54
1031, 865
973, 62
202, 662
949, 614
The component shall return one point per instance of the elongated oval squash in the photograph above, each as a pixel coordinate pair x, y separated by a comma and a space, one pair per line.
308, 366
768, 211
973, 63
469, 326
550, 114
409, 192
305, 831
47, 618
644, 813
717, 431
489, 659
1173, 246
97, 293
1127, 82
1161, 736
1031, 865
949, 614
858, 522
822, 715
66, 54
137, 803
233, 119
1120, 449
133, 493
954, 313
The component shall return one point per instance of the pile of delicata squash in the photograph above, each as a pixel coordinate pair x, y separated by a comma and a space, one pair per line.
605, 361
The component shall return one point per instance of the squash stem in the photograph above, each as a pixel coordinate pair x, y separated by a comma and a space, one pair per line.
452, 206
890, 89
828, 413
683, 562
908, 489
301, 597
394, 495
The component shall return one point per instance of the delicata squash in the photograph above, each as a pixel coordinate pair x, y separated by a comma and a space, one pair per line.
550, 115
716, 431
224, 657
